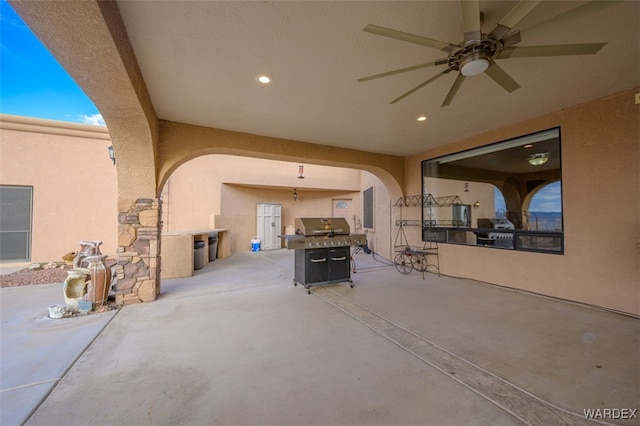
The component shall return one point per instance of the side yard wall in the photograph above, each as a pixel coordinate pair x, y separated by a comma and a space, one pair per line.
74, 183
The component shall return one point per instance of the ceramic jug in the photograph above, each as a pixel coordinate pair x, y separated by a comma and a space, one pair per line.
75, 287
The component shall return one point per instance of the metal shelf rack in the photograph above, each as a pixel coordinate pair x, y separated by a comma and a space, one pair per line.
425, 257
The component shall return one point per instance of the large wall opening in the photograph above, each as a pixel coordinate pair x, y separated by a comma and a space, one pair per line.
222, 191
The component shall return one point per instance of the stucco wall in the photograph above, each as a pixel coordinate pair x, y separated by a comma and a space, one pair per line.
239, 209
601, 202
74, 183
192, 194
222, 191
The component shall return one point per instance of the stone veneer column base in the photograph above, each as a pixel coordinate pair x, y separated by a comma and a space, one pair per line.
138, 268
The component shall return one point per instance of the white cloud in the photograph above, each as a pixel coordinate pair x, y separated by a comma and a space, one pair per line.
94, 119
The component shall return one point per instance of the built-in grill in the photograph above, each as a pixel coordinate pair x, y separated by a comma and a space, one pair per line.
322, 250
497, 239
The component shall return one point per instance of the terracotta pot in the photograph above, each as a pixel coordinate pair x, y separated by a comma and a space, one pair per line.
98, 290
87, 248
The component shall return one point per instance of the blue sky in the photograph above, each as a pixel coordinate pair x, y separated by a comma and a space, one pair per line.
32, 83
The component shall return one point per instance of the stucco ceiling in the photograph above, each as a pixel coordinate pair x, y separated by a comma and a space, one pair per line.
200, 59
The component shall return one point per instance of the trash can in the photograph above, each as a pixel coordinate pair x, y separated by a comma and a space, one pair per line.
213, 246
198, 254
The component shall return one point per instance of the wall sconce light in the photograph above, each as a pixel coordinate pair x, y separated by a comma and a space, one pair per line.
295, 194
301, 171
112, 154
476, 204
466, 187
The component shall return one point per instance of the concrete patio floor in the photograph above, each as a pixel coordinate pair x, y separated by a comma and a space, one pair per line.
238, 344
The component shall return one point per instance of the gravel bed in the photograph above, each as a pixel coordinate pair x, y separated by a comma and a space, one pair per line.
29, 277
41, 276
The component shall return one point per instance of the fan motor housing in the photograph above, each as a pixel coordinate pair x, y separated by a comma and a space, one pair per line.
473, 51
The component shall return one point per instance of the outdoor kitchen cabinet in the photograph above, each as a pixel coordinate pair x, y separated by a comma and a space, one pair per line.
322, 266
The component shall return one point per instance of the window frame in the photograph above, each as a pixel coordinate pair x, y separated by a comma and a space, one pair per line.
367, 208
551, 242
28, 232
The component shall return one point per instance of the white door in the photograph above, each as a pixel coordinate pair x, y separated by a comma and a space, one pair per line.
269, 220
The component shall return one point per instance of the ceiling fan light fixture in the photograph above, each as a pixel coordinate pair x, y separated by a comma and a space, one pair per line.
477, 64
539, 158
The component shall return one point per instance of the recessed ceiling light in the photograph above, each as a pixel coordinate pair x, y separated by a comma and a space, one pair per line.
263, 79
528, 145
421, 118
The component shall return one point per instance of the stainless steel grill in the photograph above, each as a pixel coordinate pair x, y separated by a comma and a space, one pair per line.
497, 239
315, 232
322, 250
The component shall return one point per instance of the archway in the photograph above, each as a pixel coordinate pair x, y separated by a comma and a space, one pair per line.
542, 207
221, 191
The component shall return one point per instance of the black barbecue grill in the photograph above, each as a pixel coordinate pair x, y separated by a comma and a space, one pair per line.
322, 251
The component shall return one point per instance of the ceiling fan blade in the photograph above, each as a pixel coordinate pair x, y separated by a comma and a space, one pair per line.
420, 86
511, 39
471, 20
453, 90
512, 18
411, 38
394, 72
550, 50
501, 77
578, 12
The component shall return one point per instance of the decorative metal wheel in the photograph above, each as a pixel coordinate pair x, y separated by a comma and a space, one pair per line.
403, 263
420, 263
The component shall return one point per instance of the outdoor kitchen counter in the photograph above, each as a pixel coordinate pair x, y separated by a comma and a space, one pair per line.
177, 250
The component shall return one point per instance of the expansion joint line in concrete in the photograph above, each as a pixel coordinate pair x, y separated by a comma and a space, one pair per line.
284, 273
523, 405
58, 380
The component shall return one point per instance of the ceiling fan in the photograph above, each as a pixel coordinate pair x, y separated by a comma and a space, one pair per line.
478, 52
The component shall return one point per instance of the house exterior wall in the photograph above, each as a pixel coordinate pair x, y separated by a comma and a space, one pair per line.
74, 183
601, 209
73, 177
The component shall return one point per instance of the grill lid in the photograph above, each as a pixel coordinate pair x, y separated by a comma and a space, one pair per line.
328, 226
